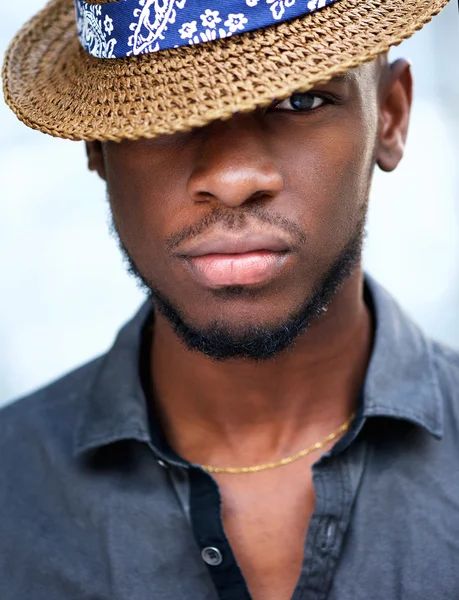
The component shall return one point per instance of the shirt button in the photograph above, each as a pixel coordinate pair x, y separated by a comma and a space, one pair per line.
212, 556
161, 463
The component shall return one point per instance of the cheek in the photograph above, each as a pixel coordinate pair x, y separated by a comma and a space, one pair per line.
327, 182
146, 198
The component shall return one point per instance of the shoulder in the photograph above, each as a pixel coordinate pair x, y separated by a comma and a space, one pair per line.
47, 414
446, 357
446, 364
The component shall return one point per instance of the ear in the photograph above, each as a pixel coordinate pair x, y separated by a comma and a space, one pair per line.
96, 160
396, 94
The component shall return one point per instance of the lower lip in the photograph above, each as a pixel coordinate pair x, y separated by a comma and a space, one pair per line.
250, 268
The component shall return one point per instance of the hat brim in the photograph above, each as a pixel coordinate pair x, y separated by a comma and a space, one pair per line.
54, 86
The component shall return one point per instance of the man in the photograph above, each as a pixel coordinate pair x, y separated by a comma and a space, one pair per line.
270, 425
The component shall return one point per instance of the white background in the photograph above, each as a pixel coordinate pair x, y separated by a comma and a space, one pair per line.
64, 291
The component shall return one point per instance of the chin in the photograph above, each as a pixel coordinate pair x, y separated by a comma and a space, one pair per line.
237, 327
240, 309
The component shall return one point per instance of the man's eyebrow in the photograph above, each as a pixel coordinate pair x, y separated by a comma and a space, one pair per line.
348, 77
344, 78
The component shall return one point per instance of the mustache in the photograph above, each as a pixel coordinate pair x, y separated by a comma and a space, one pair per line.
235, 220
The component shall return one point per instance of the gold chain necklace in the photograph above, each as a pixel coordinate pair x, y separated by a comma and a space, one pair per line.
284, 461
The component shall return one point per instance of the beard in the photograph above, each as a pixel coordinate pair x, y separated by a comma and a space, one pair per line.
219, 341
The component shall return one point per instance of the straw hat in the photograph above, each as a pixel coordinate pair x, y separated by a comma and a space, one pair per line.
56, 86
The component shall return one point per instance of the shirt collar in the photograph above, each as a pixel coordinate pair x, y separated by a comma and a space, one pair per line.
115, 409
401, 380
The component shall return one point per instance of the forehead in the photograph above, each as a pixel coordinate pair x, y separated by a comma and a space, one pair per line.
363, 74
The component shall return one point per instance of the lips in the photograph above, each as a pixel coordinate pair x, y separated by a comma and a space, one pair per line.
236, 244
249, 258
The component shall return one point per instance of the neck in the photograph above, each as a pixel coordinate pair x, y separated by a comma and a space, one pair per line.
210, 410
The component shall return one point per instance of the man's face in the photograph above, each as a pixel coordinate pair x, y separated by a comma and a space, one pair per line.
247, 226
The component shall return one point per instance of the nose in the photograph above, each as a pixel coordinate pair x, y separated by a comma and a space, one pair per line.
235, 164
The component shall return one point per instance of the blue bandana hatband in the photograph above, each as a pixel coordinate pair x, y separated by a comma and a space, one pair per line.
133, 27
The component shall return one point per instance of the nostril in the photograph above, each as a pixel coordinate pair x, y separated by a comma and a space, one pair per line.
261, 195
203, 197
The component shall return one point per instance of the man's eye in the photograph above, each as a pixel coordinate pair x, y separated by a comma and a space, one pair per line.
301, 102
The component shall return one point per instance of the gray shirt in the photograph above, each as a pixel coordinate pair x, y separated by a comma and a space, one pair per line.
91, 508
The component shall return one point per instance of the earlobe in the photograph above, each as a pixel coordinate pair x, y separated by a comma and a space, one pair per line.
96, 158
395, 106
389, 156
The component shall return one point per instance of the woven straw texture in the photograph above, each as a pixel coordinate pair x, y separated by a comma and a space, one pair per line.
54, 86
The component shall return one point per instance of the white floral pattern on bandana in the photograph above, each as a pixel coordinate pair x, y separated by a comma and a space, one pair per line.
210, 18
134, 27
96, 35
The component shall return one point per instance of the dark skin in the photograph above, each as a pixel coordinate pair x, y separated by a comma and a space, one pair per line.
313, 168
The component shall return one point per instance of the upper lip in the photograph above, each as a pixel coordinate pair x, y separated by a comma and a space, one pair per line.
231, 243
